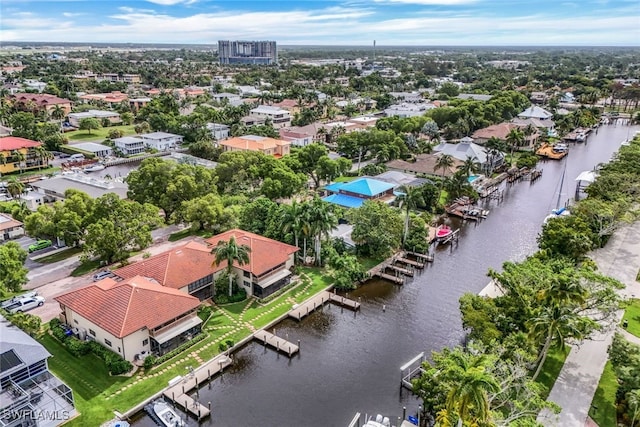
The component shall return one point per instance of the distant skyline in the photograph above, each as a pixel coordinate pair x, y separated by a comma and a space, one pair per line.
347, 22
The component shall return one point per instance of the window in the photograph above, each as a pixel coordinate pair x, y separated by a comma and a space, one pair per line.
107, 342
92, 332
145, 342
246, 274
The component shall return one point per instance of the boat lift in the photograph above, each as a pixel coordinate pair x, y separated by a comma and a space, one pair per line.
411, 370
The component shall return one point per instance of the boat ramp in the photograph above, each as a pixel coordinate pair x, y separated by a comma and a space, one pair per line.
318, 301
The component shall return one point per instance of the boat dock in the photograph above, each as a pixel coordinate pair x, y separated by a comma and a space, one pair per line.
318, 301
180, 386
412, 263
280, 344
546, 150
466, 210
425, 257
411, 370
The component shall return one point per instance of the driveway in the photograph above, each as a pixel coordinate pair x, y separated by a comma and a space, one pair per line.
52, 280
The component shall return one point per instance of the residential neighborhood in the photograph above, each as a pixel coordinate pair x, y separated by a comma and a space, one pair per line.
170, 215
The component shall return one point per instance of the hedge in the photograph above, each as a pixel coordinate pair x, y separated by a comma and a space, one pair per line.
70, 149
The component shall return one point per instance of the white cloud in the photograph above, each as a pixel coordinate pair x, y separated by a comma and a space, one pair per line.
171, 2
72, 14
429, 2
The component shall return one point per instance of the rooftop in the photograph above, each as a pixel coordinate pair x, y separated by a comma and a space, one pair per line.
92, 186
253, 143
159, 135
19, 350
122, 308
344, 200
9, 143
364, 186
92, 147
7, 222
537, 112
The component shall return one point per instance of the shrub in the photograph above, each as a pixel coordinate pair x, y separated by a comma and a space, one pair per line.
117, 365
204, 312
149, 361
77, 347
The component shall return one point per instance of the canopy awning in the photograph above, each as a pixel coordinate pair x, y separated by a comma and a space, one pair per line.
178, 328
587, 176
275, 278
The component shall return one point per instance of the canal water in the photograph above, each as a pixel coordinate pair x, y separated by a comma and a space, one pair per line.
350, 362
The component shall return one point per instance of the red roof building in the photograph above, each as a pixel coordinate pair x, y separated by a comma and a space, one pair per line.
40, 101
131, 316
27, 159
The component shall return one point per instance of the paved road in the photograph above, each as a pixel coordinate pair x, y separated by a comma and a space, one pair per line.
579, 377
52, 280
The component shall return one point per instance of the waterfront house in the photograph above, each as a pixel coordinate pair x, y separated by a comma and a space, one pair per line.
98, 150
466, 149
161, 141
26, 384
536, 112
129, 145
501, 131
19, 154
75, 118
353, 194
269, 146
423, 164
131, 317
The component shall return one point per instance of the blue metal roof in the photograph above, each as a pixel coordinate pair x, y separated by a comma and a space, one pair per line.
344, 200
334, 187
366, 187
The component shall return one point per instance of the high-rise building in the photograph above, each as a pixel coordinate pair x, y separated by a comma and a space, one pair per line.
247, 52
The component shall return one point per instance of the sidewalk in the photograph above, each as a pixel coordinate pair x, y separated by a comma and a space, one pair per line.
579, 377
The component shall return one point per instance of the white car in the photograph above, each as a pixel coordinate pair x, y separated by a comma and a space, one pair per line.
24, 304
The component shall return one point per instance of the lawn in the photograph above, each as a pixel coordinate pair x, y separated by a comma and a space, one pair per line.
551, 368
632, 317
98, 134
178, 235
59, 256
345, 178
603, 407
85, 268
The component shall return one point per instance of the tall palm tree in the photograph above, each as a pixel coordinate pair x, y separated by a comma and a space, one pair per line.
43, 155
554, 325
468, 397
410, 198
515, 138
469, 167
322, 221
292, 220
444, 163
633, 400
230, 252
19, 158
15, 187
57, 112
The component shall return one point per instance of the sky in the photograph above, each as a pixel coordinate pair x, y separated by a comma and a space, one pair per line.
346, 22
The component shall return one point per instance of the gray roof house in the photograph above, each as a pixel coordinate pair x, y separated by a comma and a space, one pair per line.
30, 395
535, 112
465, 149
54, 188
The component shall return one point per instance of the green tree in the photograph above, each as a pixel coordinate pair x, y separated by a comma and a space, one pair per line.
444, 163
29, 323
19, 157
89, 124
14, 187
515, 139
205, 213
293, 220
321, 220
377, 228
127, 118
469, 167
230, 252
13, 274
410, 198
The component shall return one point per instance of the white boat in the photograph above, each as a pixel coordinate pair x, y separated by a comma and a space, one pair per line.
581, 137
167, 415
95, 167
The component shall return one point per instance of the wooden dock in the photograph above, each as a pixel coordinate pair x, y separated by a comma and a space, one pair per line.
178, 391
401, 270
425, 257
280, 344
390, 277
411, 262
318, 301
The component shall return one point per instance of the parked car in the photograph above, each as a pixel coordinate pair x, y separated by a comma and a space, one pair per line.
24, 304
102, 275
8, 302
40, 244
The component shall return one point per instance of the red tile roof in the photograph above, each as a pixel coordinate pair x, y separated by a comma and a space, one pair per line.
500, 131
41, 99
8, 143
265, 253
174, 269
122, 308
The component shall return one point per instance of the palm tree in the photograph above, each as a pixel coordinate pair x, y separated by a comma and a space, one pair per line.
15, 187
469, 167
321, 222
42, 155
633, 400
410, 199
515, 138
444, 163
19, 158
230, 252
292, 220
555, 324
57, 112
468, 397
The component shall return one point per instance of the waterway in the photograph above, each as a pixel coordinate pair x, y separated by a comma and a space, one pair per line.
351, 362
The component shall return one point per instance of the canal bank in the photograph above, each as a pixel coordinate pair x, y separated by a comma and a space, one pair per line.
352, 362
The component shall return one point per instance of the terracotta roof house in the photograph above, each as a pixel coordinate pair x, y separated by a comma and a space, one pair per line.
11, 162
425, 164
40, 102
111, 97
353, 194
269, 265
263, 144
132, 317
190, 268
501, 131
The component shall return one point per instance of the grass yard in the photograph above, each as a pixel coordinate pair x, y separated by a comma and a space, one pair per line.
632, 317
85, 268
59, 256
551, 368
603, 407
98, 134
345, 178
